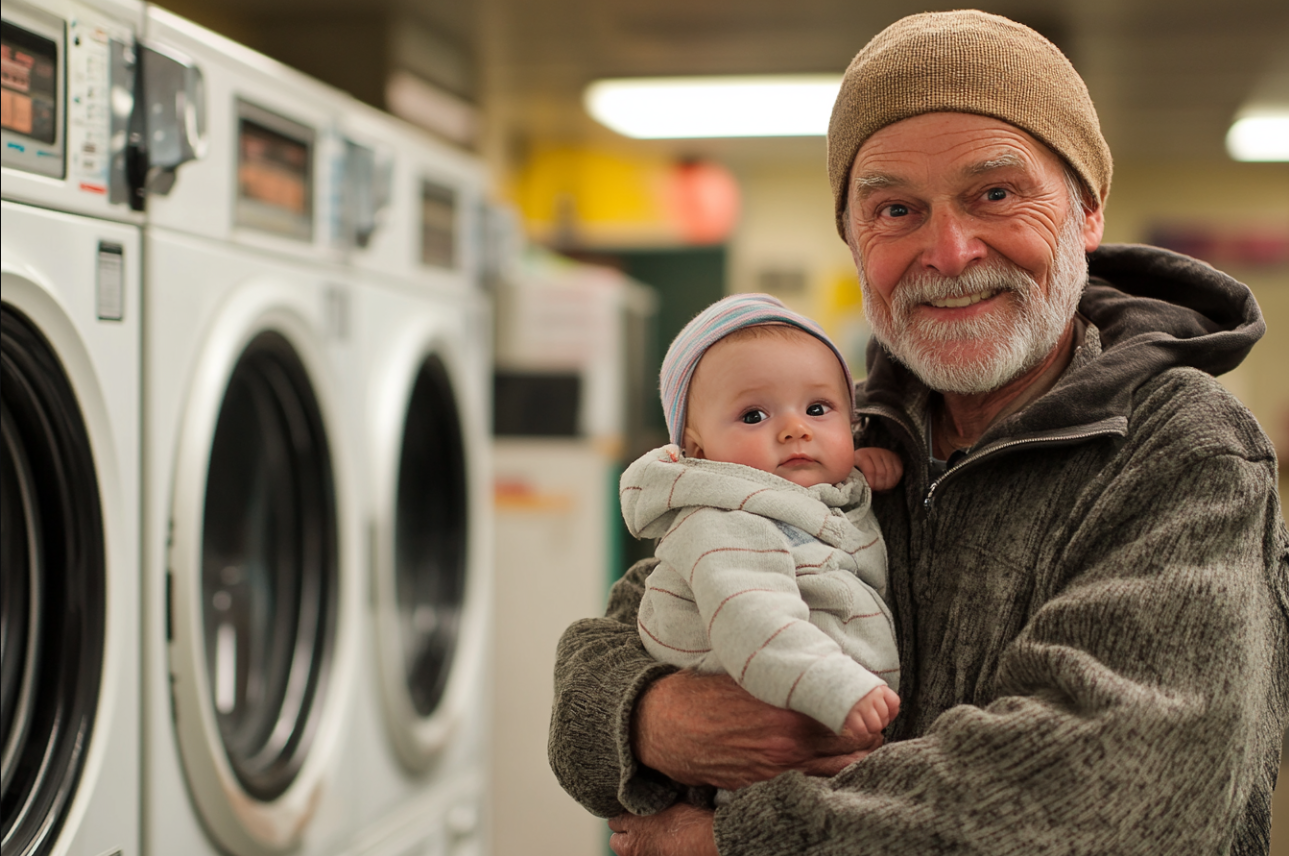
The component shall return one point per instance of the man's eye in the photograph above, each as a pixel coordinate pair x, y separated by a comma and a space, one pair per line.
753, 416
897, 210
817, 409
995, 194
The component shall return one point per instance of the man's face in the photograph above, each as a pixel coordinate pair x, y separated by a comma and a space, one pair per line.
776, 403
969, 249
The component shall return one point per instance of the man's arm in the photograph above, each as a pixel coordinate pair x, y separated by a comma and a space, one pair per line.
601, 669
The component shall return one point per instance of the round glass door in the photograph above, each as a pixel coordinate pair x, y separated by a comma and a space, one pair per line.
430, 536
269, 573
52, 588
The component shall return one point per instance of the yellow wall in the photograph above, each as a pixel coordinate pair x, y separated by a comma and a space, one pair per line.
594, 196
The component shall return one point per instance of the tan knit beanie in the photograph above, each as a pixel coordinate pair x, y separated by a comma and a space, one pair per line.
966, 62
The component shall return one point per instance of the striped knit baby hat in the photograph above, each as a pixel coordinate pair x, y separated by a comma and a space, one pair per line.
709, 327
966, 62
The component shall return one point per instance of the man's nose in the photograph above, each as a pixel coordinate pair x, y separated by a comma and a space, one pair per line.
952, 242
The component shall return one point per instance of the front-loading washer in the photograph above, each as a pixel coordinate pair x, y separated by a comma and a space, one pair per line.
69, 380
421, 403
251, 528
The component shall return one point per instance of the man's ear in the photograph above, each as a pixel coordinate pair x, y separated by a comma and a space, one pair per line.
693, 444
1094, 226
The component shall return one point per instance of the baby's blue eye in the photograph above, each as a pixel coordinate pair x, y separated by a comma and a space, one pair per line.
816, 410
753, 416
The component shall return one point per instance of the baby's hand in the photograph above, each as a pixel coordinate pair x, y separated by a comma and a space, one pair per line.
873, 712
881, 467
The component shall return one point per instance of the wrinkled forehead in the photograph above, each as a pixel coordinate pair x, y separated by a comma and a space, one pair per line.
946, 146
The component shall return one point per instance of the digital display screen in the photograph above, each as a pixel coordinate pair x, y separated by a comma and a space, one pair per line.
28, 83
438, 225
274, 191
273, 168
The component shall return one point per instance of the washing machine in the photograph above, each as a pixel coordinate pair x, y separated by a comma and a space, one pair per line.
252, 535
70, 341
422, 409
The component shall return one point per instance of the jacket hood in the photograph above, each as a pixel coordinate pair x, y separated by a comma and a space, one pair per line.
654, 489
1162, 309
1152, 310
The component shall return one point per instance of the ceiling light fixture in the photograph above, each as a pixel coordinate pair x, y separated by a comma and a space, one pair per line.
691, 107
1260, 136
1260, 131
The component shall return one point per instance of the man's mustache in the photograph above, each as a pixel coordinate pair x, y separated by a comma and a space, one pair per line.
925, 286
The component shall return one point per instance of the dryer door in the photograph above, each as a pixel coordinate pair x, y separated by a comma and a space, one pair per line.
268, 566
257, 575
429, 585
53, 580
430, 528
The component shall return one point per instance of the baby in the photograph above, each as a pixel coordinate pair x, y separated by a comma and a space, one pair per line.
772, 568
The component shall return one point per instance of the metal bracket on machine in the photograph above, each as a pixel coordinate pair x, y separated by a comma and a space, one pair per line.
368, 185
168, 128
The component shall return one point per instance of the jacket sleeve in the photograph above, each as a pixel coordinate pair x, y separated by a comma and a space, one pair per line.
741, 571
1138, 711
601, 668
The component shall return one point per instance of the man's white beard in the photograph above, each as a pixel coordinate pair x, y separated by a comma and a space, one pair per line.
982, 354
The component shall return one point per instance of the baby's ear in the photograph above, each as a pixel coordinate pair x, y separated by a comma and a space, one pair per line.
693, 444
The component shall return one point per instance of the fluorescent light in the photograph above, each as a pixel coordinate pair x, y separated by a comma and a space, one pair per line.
1261, 136
689, 107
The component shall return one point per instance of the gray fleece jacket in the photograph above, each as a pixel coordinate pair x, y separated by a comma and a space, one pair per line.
1092, 610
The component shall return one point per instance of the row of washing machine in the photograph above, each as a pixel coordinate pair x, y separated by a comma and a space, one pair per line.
245, 422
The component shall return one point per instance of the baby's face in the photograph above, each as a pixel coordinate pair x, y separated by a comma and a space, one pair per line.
777, 404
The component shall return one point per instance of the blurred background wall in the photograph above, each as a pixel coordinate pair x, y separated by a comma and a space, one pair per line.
690, 220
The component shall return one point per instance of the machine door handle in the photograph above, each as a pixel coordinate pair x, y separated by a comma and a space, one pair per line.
169, 123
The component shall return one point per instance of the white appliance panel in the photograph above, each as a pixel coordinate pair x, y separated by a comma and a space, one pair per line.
206, 303
56, 267
377, 283
406, 749
267, 168
68, 94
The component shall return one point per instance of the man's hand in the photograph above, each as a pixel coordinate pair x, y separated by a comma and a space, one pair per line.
707, 730
681, 830
882, 468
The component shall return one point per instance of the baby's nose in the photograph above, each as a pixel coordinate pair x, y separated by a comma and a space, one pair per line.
795, 429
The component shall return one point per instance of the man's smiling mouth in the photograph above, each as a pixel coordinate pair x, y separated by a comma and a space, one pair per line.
965, 300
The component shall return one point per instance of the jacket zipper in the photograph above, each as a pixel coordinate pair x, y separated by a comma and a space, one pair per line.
1048, 440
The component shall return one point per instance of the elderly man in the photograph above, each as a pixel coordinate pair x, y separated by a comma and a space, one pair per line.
1088, 559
